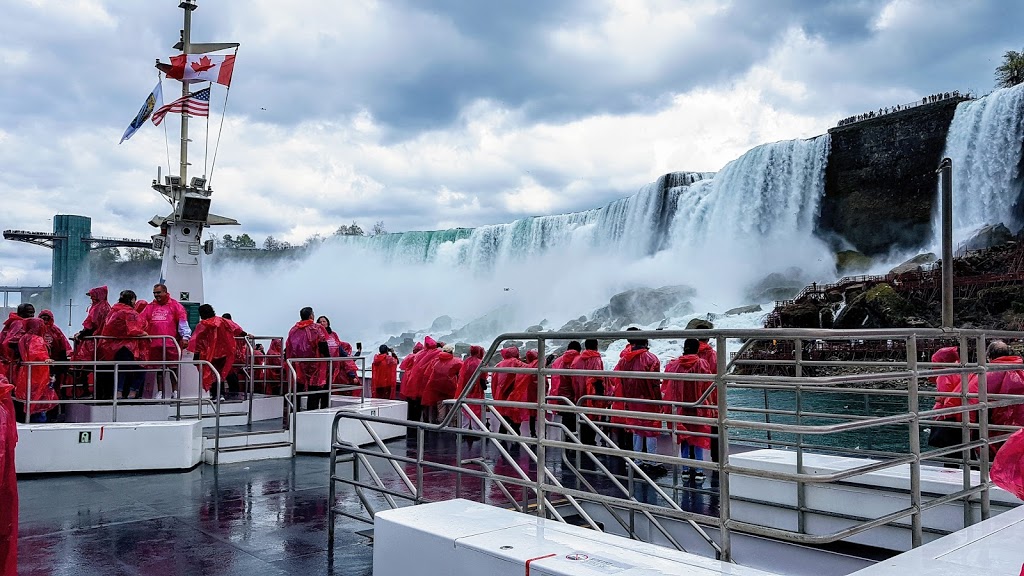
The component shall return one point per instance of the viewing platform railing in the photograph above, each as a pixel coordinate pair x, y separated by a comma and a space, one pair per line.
803, 425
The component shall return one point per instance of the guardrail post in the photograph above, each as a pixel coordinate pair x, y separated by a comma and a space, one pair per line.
983, 427
542, 393
801, 488
723, 451
914, 408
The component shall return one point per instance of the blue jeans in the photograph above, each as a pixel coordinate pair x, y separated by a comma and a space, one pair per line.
698, 454
640, 441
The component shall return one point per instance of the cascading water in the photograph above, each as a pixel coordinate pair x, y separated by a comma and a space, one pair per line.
985, 142
718, 235
635, 226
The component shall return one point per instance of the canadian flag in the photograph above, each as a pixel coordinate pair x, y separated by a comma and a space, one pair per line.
202, 67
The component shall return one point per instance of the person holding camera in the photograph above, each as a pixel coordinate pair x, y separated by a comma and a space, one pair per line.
384, 373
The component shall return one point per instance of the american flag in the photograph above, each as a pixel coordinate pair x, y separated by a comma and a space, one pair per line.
195, 104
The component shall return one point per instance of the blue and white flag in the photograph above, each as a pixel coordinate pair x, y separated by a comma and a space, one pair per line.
153, 102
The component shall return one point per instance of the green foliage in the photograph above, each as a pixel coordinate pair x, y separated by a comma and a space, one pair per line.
1011, 71
351, 230
140, 255
272, 244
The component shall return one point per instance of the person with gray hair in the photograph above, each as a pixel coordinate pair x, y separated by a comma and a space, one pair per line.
1000, 381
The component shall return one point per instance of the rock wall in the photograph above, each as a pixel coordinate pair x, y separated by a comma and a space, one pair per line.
880, 184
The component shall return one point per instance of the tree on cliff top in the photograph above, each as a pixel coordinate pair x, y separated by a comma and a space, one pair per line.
1011, 71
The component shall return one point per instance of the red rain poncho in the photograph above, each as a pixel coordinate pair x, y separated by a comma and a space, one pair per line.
562, 385
163, 320
709, 356
122, 329
946, 382
406, 367
14, 327
689, 391
640, 360
442, 380
214, 341
384, 375
502, 384
525, 389
416, 379
303, 342
1008, 466
469, 365
589, 385
272, 359
56, 342
8, 483
32, 348
94, 321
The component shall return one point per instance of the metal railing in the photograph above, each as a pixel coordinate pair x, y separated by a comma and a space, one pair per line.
117, 369
801, 428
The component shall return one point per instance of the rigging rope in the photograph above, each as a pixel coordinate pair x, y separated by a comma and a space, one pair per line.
206, 149
167, 146
220, 130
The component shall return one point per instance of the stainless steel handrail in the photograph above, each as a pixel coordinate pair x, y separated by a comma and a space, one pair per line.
913, 418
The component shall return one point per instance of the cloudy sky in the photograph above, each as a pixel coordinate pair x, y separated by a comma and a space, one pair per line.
440, 113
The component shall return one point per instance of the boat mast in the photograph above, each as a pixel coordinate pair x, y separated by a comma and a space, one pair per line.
186, 32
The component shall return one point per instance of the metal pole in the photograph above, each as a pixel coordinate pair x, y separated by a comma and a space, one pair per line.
914, 407
542, 393
186, 39
946, 177
724, 510
801, 488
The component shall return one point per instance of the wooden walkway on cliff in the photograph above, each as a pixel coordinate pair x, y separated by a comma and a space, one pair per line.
925, 283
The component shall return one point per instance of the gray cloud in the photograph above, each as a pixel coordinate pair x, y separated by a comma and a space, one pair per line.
425, 114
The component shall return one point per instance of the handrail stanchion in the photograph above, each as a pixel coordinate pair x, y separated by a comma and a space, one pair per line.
723, 454
983, 414
801, 488
542, 393
915, 444
28, 396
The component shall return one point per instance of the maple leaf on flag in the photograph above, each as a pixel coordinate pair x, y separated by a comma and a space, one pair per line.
202, 65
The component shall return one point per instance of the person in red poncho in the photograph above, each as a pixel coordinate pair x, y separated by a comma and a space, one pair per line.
85, 349
273, 361
441, 383
384, 372
214, 341
469, 366
589, 359
946, 382
32, 348
690, 445
331, 371
59, 348
412, 406
525, 390
348, 370
640, 359
1001, 382
412, 385
503, 383
8, 482
12, 331
307, 339
562, 385
121, 332
237, 372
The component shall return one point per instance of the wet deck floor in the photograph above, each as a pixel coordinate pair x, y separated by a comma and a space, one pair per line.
266, 517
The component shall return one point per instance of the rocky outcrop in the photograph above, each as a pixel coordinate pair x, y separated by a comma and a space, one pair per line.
880, 183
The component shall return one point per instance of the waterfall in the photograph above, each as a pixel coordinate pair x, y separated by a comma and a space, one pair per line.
635, 226
719, 234
985, 142
772, 192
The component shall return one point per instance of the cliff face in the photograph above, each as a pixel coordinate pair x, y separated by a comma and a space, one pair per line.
880, 183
